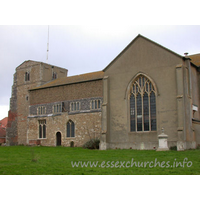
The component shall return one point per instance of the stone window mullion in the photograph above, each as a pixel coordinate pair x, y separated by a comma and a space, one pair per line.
143, 92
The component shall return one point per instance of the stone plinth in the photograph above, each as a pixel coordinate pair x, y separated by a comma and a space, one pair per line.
162, 140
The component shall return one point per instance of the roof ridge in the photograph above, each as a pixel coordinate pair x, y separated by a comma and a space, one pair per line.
194, 54
84, 73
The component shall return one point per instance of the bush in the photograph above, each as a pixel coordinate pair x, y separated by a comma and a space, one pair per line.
174, 148
92, 144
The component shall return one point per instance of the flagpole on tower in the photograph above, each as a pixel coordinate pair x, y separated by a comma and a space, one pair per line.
47, 45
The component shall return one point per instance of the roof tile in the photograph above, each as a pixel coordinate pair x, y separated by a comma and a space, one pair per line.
73, 79
195, 59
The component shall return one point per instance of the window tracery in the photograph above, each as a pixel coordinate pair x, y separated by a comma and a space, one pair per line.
142, 105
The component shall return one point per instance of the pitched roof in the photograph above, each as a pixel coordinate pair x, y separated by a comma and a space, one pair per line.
139, 36
3, 122
73, 79
195, 59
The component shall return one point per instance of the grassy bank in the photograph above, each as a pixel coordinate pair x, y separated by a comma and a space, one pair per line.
58, 160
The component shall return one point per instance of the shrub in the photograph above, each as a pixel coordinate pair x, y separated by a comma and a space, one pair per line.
92, 144
198, 146
173, 148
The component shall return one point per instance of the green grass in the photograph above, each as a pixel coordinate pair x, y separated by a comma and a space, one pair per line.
18, 160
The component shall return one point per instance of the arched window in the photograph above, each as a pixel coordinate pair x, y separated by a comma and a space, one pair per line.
142, 105
70, 129
42, 128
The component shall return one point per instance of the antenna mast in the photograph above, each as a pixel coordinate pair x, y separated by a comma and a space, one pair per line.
47, 45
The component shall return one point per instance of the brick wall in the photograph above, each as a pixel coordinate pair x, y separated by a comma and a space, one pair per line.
85, 106
67, 92
87, 126
87, 121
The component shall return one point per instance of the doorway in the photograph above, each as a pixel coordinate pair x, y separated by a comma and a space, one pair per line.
58, 139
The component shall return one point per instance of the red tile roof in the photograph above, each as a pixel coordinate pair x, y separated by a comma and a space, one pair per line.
3, 122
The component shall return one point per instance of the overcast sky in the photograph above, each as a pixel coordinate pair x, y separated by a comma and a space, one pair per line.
80, 49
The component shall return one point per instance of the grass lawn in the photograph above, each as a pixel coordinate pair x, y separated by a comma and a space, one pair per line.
27, 160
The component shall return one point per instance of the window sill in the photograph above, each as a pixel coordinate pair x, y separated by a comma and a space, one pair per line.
141, 132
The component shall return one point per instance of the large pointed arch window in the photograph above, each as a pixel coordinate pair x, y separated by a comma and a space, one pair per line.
142, 105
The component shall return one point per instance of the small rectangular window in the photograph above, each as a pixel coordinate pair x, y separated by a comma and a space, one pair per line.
41, 110
27, 76
74, 106
95, 104
57, 108
99, 104
54, 75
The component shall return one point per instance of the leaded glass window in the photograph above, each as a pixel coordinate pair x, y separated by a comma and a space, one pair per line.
41, 110
95, 104
142, 105
57, 108
132, 112
42, 128
153, 111
70, 129
74, 106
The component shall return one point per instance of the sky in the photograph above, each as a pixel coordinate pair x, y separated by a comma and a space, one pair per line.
81, 48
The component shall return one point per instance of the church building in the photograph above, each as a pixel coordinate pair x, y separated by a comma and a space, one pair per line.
146, 88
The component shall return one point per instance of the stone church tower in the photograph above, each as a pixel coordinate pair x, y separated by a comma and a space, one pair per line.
28, 75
